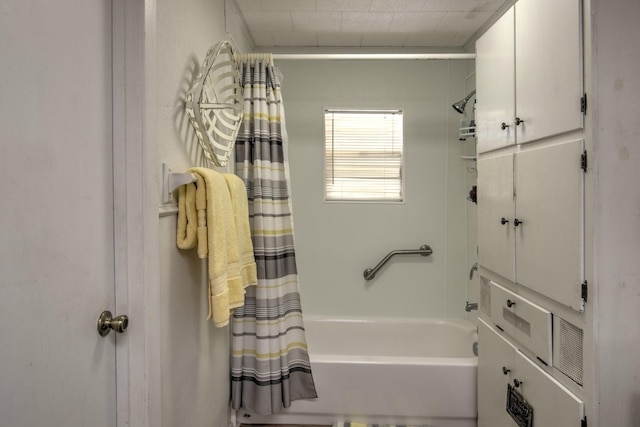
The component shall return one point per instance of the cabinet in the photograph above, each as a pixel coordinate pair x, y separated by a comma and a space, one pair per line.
500, 363
529, 74
530, 219
531, 164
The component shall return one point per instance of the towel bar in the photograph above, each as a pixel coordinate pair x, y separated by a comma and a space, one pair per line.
171, 181
424, 250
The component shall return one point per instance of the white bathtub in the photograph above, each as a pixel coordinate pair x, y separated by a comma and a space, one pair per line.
387, 371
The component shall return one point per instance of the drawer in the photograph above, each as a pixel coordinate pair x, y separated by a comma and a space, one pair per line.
525, 321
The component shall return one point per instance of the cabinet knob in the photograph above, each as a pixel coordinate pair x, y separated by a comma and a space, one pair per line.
518, 121
517, 222
504, 221
505, 370
510, 303
107, 322
503, 126
517, 383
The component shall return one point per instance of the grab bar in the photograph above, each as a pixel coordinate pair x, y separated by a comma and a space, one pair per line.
424, 250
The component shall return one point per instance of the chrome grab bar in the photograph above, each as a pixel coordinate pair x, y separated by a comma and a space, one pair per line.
424, 250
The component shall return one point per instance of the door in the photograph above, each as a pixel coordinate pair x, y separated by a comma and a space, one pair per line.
496, 208
56, 232
549, 204
548, 68
496, 368
552, 403
495, 80
499, 364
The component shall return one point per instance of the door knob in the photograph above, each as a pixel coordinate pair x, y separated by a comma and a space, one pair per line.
106, 323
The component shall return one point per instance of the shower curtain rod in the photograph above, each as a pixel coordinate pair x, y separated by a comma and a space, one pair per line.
293, 56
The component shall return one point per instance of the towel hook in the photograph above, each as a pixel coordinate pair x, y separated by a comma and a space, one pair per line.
171, 181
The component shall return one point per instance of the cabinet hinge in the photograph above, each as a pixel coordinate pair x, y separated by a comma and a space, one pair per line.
583, 104
583, 423
584, 292
583, 161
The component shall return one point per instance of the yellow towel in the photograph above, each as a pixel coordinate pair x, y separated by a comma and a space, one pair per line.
248, 272
201, 207
187, 215
216, 237
192, 217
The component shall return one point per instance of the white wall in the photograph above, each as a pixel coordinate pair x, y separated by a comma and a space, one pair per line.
614, 107
473, 291
194, 355
336, 242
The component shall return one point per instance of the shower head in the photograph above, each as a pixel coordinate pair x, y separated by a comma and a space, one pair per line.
459, 106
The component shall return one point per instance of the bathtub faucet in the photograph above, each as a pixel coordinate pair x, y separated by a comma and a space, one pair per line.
471, 306
474, 267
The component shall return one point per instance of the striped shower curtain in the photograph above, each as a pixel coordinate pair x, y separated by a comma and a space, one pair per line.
269, 360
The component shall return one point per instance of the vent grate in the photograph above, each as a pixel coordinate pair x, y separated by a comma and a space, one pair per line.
485, 297
570, 354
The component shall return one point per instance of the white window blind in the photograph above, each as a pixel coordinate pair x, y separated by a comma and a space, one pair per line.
363, 155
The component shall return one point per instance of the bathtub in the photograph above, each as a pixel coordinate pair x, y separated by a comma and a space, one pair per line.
387, 371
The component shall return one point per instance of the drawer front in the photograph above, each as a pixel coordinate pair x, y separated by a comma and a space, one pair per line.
525, 321
552, 403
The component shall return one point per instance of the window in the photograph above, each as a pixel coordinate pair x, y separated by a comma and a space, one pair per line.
363, 155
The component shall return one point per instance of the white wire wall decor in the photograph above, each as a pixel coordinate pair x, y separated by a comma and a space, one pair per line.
215, 103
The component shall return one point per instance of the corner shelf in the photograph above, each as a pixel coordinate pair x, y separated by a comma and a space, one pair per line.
467, 129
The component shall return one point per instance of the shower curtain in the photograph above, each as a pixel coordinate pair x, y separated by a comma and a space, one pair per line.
269, 360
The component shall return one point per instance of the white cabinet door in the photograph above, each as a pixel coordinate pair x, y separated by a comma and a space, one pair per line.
496, 368
499, 364
495, 97
549, 202
56, 238
496, 235
548, 67
552, 403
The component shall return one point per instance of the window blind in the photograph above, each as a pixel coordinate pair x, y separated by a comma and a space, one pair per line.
363, 155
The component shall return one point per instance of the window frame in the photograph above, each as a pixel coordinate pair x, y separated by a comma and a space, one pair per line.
402, 199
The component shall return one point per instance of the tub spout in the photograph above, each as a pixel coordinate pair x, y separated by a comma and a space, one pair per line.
474, 267
471, 306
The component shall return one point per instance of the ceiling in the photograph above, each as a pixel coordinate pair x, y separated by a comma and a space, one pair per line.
366, 23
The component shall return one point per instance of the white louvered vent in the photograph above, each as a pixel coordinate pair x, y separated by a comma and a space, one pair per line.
569, 350
485, 297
